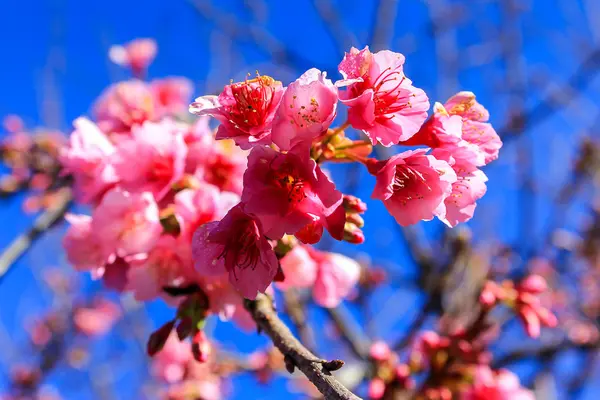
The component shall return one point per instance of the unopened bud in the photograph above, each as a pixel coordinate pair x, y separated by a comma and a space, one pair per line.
534, 284
353, 204
355, 236
376, 388
355, 219
200, 347
380, 351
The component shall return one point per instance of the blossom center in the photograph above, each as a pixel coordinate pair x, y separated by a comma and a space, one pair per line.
253, 99
241, 249
387, 88
287, 179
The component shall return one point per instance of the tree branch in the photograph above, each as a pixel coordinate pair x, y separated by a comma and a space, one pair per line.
317, 370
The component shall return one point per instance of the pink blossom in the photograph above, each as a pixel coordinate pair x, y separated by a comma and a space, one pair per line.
114, 274
476, 129
124, 105
237, 246
223, 167
307, 109
152, 159
380, 351
413, 186
337, 275
97, 319
466, 190
382, 100
171, 95
289, 191
226, 302
127, 223
170, 363
245, 110
137, 55
169, 263
502, 385
84, 250
444, 131
299, 268
196, 207
87, 159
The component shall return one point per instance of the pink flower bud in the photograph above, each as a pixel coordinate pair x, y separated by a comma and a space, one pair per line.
201, 347
487, 298
531, 321
376, 388
380, 351
354, 235
402, 372
353, 204
534, 284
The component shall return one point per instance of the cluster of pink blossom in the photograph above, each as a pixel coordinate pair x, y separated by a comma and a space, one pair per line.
286, 192
524, 299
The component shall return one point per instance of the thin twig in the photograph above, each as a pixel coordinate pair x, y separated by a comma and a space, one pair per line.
351, 332
45, 221
317, 370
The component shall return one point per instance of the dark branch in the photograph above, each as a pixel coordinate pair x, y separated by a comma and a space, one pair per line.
317, 370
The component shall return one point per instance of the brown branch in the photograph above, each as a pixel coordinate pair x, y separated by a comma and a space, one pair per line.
294, 307
317, 370
350, 331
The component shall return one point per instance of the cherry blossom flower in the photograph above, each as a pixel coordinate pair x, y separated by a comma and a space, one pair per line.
226, 302
196, 207
383, 102
299, 268
307, 109
413, 186
171, 95
503, 385
124, 105
152, 159
476, 129
88, 160
245, 110
223, 167
287, 192
332, 276
97, 319
84, 250
170, 363
337, 275
126, 223
444, 131
137, 55
236, 246
169, 263
466, 190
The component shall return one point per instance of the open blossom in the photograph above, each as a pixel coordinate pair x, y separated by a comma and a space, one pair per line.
332, 276
170, 363
501, 385
152, 159
466, 190
226, 302
223, 165
337, 275
444, 131
171, 95
244, 109
87, 159
84, 250
97, 319
413, 186
127, 223
288, 192
476, 129
382, 101
169, 263
236, 246
124, 105
137, 55
299, 269
307, 109
194, 207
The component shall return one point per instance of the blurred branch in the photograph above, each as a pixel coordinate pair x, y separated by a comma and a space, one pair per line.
296, 310
383, 24
317, 370
545, 351
41, 224
576, 84
350, 331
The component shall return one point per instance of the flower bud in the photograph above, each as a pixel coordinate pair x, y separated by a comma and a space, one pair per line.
534, 284
200, 347
376, 388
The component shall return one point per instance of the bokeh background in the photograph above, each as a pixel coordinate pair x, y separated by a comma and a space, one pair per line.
533, 63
